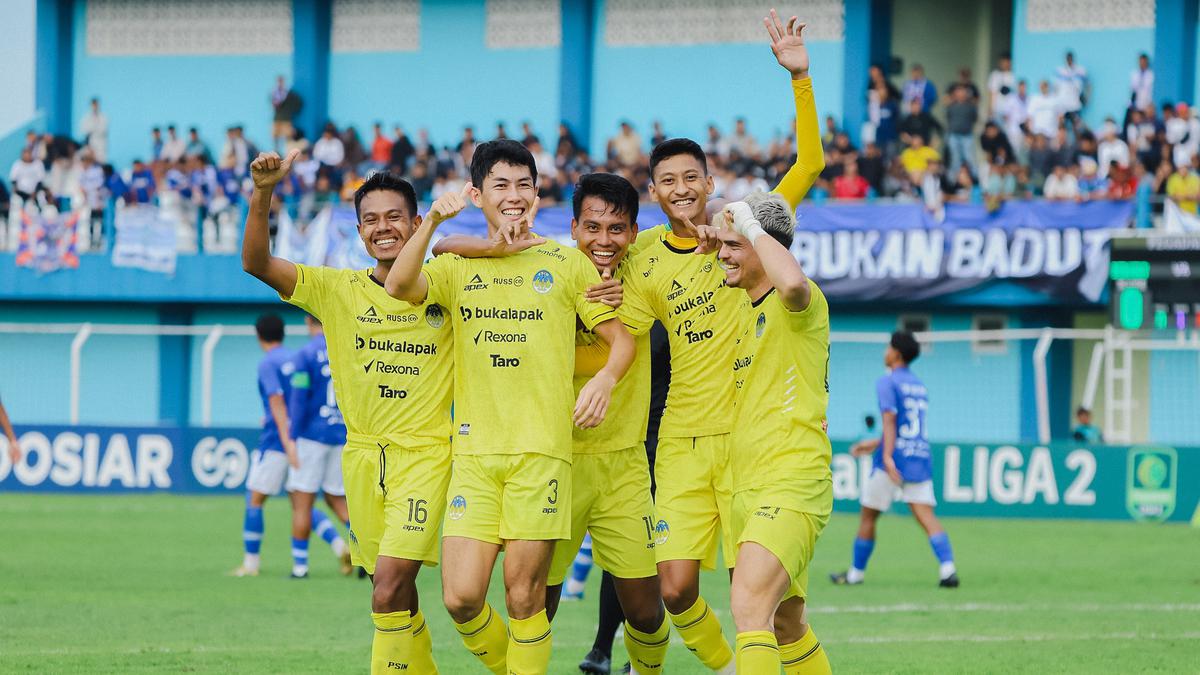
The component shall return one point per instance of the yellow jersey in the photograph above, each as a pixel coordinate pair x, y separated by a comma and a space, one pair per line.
624, 425
390, 360
514, 352
782, 379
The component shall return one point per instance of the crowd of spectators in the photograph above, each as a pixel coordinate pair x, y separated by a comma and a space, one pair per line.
967, 144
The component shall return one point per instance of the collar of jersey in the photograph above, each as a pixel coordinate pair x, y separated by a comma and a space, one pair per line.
766, 295
679, 244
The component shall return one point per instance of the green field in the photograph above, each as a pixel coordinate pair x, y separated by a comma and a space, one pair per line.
137, 583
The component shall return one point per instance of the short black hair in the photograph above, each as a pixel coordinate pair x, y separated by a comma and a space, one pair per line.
614, 190
387, 182
870, 421
499, 151
904, 342
269, 328
1082, 411
677, 146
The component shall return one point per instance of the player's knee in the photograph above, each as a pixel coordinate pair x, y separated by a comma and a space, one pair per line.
462, 607
524, 598
392, 592
751, 614
679, 596
645, 616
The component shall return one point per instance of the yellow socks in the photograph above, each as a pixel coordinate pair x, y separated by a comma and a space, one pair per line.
757, 653
804, 656
391, 648
701, 632
529, 645
647, 651
421, 662
487, 639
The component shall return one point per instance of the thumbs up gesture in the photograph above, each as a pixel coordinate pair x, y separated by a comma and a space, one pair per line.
268, 169
449, 205
608, 291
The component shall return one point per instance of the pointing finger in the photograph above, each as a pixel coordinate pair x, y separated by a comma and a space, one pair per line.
466, 191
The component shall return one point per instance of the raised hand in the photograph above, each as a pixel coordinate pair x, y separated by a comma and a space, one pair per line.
707, 239
448, 205
788, 44
608, 291
523, 228
268, 169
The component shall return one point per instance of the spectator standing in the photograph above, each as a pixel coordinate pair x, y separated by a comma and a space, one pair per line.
658, 135
886, 129
1073, 88
1014, 115
402, 151
916, 157
141, 183
964, 81
527, 135
95, 132
1060, 185
381, 147
286, 104
1041, 158
420, 180
196, 147
961, 114
626, 146
565, 146
355, 153
919, 122
995, 144
94, 196
850, 185
741, 142
328, 150
1141, 83
26, 176
919, 88
1085, 431
156, 144
1111, 149
1000, 78
1044, 111
174, 147
236, 151
871, 166
1183, 187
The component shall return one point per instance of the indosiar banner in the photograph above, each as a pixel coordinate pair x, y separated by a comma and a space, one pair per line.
1150, 483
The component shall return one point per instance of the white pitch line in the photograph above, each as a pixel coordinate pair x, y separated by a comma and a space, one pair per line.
890, 639
910, 608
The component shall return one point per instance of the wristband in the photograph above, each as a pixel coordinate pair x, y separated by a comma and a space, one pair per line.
751, 230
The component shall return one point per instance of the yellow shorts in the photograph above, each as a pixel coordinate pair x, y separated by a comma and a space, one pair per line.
399, 518
496, 498
695, 494
786, 520
611, 500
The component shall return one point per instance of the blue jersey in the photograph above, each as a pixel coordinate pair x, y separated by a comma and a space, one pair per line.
231, 185
312, 409
903, 393
274, 372
141, 183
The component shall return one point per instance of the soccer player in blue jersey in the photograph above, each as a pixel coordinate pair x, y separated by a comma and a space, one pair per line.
901, 465
316, 424
276, 449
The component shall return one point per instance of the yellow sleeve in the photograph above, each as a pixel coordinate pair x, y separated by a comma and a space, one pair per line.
441, 274
591, 354
645, 238
635, 311
810, 158
310, 290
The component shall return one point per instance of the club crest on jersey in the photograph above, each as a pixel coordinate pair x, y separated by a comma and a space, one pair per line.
662, 532
434, 316
458, 507
760, 325
543, 281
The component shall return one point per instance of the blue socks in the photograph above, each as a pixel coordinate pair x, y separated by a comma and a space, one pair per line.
580, 568
862, 553
326, 530
299, 557
940, 543
252, 529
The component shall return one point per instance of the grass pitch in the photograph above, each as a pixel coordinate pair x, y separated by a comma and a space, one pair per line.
137, 584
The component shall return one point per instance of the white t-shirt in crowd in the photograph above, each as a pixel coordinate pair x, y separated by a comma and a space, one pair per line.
1066, 187
25, 176
1141, 84
329, 151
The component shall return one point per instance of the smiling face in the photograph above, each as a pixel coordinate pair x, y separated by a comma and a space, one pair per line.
385, 224
506, 195
682, 187
743, 269
602, 234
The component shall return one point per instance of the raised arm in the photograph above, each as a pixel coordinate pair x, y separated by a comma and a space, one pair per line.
787, 42
592, 404
267, 170
781, 267
405, 280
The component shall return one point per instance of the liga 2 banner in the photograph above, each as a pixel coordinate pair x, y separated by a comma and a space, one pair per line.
1150, 483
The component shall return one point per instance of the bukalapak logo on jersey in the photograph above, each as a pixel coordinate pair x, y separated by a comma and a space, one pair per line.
369, 316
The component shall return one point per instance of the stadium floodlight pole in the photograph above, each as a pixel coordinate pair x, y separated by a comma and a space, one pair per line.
1043, 387
206, 373
85, 331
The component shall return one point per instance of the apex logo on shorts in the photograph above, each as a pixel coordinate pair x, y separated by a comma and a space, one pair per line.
389, 392
499, 361
475, 284
677, 290
543, 281
369, 316
768, 512
457, 508
464, 429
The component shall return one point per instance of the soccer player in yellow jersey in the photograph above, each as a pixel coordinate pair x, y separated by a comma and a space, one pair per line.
688, 293
514, 352
392, 375
610, 473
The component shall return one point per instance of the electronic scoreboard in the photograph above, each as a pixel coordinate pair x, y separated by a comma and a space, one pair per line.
1155, 281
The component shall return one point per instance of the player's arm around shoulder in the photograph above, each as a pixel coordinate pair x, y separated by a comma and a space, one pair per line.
267, 170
